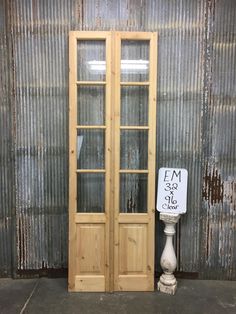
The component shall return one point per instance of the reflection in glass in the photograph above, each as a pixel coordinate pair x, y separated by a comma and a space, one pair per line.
133, 193
133, 149
90, 192
134, 105
90, 149
134, 60
91, 104
91, 58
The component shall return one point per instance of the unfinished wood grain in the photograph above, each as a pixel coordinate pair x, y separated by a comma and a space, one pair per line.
90, 248
91, 126
152, 157
134, 283
108, 151
95, 283
72, 159
112, 250
91, 83
90, 171
133, 171
129, 218
134, 233
117, 42
132, 248
136, 35
88, 218
88, 232
112, 165
90, 35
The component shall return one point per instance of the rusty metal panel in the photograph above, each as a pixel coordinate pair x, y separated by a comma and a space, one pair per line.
218, 243
40, 41
6, 187
180, 26
180, 87
195, 123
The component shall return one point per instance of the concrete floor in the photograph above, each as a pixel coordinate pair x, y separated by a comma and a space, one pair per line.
50, 296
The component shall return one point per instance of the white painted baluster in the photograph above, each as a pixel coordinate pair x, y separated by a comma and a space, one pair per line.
167, 282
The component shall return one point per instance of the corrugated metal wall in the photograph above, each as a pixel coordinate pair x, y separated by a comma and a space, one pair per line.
218, 231
195, 124
6, 164
40, 47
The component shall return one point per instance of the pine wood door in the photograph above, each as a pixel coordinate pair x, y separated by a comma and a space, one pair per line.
112, 161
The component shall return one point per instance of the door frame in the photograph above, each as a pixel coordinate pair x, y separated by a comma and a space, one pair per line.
85, 218
139, 282
111, 218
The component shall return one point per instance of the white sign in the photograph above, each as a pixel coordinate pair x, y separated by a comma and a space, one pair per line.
172, 190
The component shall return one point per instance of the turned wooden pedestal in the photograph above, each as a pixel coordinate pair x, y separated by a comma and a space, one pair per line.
167, 282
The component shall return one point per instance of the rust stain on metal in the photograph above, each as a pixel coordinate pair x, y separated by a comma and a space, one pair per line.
213, 187
21, 243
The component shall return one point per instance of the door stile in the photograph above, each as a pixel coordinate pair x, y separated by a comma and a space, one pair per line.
152, 156
117, 58
108, 150
72, 159
112, 165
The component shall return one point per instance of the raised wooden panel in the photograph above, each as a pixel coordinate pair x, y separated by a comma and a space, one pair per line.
132, 248
135, 283
90, 283
90, 253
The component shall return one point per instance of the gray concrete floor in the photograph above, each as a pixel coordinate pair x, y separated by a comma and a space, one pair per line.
50, 296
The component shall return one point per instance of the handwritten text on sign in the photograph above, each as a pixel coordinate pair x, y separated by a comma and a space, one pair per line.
172, 190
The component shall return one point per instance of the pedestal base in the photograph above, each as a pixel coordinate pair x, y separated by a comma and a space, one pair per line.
166, 289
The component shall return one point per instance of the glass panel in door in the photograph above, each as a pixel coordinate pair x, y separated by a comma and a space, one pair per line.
90, 149
91, 130
134, 64
90, 192
134, 105
91, 60
133, 149
133, 191
91, 105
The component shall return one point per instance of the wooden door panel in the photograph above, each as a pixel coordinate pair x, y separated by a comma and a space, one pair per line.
134, 283
90, 283
90, 257
132, 249
90, 253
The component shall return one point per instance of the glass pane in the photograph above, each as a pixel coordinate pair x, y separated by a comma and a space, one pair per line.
91, 104
133, 193
134, 105
134, 60
134, 149
91, 60
90, 149
90, 192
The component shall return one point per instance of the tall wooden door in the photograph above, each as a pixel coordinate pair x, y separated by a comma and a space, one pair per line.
112, 161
